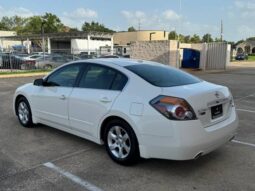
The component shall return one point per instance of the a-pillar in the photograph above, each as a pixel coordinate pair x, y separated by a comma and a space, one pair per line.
49, 45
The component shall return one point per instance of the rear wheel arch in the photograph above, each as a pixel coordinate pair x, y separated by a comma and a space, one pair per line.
112, 118
124, 151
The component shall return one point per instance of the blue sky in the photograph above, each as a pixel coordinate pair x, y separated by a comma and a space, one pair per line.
194, 16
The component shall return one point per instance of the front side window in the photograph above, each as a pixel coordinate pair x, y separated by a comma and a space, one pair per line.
65, 76
100, 77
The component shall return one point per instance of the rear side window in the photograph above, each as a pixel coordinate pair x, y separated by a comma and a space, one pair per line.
101, 77
162, 76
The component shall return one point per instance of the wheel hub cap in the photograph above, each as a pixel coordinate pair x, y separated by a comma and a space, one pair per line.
23, 112
119, 142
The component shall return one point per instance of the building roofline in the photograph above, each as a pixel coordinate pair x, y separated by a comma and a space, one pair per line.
141, 31
59, 35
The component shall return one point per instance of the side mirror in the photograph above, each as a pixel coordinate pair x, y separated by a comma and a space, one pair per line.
39, 82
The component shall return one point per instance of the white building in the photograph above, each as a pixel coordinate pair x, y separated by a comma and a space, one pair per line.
7, 44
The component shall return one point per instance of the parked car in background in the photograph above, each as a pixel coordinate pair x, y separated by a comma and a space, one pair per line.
110, 56
241, 56
16, 61
54, 60
135, 108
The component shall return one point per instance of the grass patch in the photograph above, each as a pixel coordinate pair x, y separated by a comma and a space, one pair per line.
251, 58
23, 72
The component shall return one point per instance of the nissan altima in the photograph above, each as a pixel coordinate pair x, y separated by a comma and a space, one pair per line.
135, 108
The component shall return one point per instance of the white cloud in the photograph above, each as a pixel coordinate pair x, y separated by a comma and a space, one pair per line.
171, 15
134, 17
168, 20
81, 13
154, 20
245, 8
19, 11
77, 17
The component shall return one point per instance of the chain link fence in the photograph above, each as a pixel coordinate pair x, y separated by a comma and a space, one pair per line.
38, 60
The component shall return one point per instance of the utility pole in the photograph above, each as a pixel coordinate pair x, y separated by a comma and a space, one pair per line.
43, 38
221, 31
139, 24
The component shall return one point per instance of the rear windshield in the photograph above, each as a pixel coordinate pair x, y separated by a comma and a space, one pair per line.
162, 76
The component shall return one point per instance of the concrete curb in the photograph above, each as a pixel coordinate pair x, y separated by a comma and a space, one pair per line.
23, 75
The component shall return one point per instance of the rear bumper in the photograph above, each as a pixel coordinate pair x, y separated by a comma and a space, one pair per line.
188, 140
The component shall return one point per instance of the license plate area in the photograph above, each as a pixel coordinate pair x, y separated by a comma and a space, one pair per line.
216, 111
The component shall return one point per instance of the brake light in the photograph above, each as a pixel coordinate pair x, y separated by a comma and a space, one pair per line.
173, 108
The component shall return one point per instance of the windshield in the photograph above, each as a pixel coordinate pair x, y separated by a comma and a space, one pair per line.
163, 76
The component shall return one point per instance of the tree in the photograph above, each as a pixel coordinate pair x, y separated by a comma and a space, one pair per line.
195, 39
6, 23
173, 35
207, 38
131, 29
52, 23
187, 39
217, 40
95, 27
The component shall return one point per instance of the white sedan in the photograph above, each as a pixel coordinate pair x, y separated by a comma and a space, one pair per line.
135, 108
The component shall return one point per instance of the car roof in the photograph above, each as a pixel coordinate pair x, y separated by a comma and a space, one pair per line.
123, 62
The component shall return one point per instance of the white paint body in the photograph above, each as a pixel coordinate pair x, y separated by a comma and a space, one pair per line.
83, 111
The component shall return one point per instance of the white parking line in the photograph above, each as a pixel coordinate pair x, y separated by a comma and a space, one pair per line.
85, 184
244, 97
243, 143
245, 110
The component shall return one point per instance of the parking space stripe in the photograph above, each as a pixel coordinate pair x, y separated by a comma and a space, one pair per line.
85, 184
243, 143
245, 110
244, 97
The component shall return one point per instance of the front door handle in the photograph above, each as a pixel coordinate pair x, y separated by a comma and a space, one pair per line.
62, 97
105, 100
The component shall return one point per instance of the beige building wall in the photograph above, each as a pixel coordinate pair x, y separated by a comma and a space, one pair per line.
164, 51
124, 38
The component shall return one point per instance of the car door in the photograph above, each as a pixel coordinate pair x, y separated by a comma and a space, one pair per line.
51, 100
98, 87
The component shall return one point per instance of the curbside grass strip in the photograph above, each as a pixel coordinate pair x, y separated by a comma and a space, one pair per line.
17, 75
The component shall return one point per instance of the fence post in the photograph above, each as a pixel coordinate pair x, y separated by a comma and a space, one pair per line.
10, 57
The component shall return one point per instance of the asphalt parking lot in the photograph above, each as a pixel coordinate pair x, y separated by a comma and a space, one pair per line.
44, 158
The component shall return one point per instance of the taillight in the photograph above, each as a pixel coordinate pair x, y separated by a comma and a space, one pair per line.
173, 108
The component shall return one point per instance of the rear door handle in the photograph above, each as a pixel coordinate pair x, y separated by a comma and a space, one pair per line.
62, 97
105, 100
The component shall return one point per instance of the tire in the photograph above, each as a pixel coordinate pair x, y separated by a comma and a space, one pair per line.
24, 113
121, 143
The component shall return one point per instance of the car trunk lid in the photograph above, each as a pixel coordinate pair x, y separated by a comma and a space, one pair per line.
211, 103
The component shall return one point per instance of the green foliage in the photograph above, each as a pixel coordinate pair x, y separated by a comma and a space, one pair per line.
187, 39
195, 39
95, 27
52, 23
207, 38
131, 29
251, 38
32, 24
15, 23
173, 35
